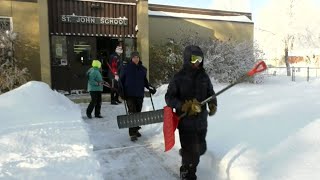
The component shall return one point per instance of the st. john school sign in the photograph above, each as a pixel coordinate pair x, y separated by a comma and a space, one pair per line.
94, 20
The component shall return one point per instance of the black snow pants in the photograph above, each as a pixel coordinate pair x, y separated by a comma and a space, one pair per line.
134, 105
95, 103
193, 145
114, 93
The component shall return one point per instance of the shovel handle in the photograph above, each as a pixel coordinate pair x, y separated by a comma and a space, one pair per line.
259, 67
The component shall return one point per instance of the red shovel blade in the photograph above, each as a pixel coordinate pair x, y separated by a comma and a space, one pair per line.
259, 67
170, 124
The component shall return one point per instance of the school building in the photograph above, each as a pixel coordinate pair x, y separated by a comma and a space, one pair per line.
57, 39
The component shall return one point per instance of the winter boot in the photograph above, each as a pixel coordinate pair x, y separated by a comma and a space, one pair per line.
138, 134
183, 172
114, 103
137, 131
188, 172
133, 138
89, 116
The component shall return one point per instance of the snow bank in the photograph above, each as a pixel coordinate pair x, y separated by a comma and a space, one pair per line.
43, 136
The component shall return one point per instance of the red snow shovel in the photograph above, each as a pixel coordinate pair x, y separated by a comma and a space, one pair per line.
171, 119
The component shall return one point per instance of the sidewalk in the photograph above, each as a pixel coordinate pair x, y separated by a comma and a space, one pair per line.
85, 98
122, 159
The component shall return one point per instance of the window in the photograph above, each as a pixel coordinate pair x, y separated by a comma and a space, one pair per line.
5, 24
59, 50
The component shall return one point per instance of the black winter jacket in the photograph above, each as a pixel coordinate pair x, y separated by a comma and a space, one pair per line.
134, 80
187, 84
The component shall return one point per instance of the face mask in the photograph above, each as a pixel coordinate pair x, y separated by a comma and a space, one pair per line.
195, 59
119, 51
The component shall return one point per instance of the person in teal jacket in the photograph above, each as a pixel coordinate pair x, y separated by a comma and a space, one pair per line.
95, 89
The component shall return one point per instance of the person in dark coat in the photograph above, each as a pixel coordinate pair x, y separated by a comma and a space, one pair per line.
114, 71
133, 81
186, 90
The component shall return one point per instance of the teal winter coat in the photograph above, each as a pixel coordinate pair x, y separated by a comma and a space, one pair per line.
94, 77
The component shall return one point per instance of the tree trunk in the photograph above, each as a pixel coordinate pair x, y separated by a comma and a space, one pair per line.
286, 60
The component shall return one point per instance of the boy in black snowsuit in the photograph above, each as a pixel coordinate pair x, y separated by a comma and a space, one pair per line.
187, 89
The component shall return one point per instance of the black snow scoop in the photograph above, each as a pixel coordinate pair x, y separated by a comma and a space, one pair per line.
156, 116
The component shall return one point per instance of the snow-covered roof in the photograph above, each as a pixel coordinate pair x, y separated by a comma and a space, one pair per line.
240, 18
111, 2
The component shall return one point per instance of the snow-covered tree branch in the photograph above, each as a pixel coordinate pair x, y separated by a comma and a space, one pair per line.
225, 61
11, 75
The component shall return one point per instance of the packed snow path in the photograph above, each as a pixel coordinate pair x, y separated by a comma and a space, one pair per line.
118, 156
141, 160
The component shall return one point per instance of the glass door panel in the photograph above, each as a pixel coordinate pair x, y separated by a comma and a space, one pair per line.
82, 50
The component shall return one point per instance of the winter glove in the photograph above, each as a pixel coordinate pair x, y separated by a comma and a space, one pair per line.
152, 90
191, 107
116, 77
212, 109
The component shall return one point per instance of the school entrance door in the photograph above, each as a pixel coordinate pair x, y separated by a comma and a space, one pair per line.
71, 58
81, 52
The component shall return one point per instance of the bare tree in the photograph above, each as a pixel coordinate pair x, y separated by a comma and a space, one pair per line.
289, 38
288, 44
292, 27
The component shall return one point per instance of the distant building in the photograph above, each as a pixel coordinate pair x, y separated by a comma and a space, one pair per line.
311, 57
295, 59
169, 22
59, 38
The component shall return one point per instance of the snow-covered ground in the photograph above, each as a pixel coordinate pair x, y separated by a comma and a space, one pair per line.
43, 136
264, 131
